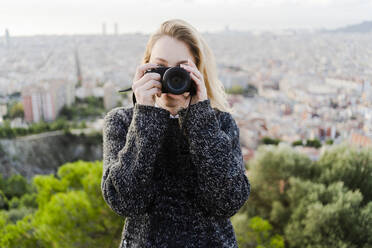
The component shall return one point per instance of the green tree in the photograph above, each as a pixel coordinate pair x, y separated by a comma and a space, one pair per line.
16, 186
3, 200
314, 203
235, 89
255, 232
297, 143
19, 235
313, 143
350, 165
328, 216
16, 110
71, 212
269, 173
269, 141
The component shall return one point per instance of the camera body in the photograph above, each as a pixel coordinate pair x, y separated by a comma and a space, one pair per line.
174, 80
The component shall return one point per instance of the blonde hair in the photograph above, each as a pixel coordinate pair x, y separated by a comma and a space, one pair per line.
204, 58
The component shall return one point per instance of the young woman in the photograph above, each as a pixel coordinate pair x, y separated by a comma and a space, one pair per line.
176, 180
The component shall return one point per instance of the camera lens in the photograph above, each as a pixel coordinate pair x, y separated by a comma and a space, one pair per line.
177, 80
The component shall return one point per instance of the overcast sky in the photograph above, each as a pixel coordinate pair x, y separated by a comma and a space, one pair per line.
29, 17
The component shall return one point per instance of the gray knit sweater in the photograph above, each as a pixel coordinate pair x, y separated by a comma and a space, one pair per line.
174, 189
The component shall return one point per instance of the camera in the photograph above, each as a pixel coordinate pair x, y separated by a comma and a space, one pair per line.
175, 80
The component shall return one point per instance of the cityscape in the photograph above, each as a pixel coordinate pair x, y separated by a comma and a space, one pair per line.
301, 95
306, 85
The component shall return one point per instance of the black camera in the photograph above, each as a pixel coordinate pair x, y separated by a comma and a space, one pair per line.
175, 80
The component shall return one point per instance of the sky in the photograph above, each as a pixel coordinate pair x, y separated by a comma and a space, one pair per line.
43, 17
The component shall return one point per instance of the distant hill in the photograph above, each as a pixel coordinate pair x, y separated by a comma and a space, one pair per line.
364, 27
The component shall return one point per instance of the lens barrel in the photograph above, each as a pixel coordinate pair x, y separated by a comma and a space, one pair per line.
175, 80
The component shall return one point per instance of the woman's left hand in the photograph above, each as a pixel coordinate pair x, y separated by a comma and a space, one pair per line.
197, 76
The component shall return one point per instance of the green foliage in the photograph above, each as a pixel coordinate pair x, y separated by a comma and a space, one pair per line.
6, 131
16, 186
349, 165
58, 124
327, 216
28, 200
2, 182
71, 212
87, 107
313, 143
248, 90
67, 131
67, 220
269, 174
297, 143
235, 89
309, 143
83, 124
16, 214
294, 202
326, 203
12, 191
16, 110
269, 141
20, 235
3, 200
255, 232
46, 187
14, 202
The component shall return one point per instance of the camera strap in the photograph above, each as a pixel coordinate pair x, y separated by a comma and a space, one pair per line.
133, 96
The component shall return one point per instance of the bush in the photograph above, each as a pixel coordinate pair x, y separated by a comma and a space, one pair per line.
297, 143
269, 172
269, 141
313, 143
16, 186
71, 212
326, 216
349, 165
14, 202
255, 232
3, 200
314, 203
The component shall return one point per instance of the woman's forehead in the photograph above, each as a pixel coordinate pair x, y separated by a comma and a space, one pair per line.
171, 51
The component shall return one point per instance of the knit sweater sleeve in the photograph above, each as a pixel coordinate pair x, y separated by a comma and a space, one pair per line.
215, 150
130, 148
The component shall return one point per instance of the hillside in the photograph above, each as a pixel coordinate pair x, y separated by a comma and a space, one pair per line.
364, 27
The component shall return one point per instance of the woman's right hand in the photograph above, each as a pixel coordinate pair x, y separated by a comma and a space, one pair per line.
145, 86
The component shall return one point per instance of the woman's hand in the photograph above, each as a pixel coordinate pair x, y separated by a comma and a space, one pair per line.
146, 86
197, 76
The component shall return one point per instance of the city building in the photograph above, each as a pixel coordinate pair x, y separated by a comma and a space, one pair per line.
110, 95
44, 100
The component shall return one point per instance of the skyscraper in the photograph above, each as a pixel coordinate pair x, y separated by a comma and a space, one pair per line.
7, 38
116, 28
103, 28
78, 69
